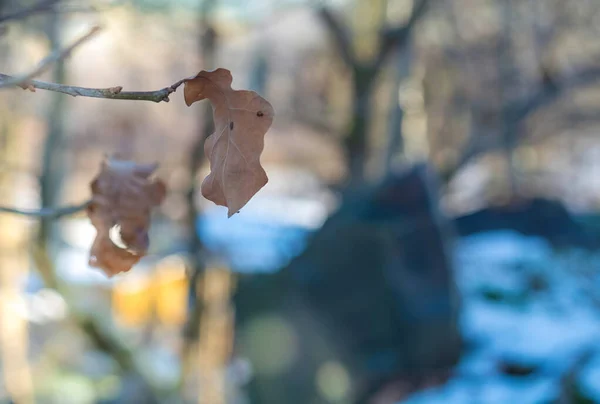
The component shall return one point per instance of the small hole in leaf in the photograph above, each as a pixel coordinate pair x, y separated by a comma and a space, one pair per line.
115, 236
259, 114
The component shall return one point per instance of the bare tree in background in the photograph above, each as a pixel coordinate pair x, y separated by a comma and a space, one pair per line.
364, 75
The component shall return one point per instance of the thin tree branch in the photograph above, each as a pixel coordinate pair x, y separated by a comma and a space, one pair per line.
339, 35
551, 91
42, 6
23, 80
50, 7
112, 93
517, 112
396, 37
52, 213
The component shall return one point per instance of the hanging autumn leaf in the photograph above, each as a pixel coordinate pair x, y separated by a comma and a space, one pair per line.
242, 119
123, 195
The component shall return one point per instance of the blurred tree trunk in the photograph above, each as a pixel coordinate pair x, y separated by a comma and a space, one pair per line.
395, 145
369, 19
365, 73
356, 141
14, 338
259, 73
207, 48
53, 157
507, 73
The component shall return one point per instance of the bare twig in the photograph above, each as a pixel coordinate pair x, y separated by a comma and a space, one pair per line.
112, 93
42, 6
23, 80
53, 213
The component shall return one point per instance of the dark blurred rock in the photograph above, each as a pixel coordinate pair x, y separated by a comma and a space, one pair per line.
533, 217
370, 300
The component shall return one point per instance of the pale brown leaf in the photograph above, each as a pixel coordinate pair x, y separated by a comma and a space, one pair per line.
123, 195
242, 119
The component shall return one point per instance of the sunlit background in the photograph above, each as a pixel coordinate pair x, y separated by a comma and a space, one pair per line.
429, 233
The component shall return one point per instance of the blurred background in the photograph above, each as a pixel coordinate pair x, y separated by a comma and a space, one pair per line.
429, 233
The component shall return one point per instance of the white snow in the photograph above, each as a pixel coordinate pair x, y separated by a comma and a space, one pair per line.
548, 329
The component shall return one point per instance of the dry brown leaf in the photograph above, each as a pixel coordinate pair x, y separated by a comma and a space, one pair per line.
242, 119
123, 195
